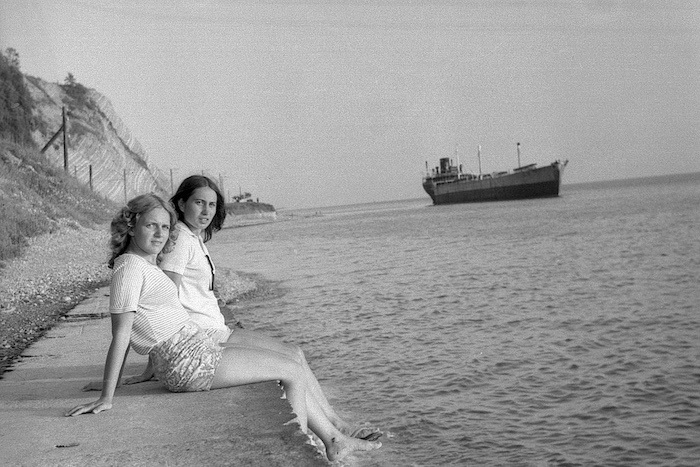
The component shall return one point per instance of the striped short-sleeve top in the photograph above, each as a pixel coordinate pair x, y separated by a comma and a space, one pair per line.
141, 287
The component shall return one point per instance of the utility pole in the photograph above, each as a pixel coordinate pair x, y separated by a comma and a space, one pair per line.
64, 129
65, 140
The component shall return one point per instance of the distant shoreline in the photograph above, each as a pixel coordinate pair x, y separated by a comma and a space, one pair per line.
653, 179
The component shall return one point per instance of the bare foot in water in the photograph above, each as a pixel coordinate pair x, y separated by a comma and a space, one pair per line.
368, 433
342, 446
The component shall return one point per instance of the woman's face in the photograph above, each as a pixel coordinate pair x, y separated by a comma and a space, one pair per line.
149, 235
199, 209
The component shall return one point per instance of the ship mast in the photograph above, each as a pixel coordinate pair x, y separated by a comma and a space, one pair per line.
457, 157
478, 155
518, 147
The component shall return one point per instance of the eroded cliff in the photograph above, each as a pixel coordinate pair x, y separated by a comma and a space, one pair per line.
97, 137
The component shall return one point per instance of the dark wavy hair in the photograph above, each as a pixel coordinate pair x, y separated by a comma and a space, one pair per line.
185, 190
128, 216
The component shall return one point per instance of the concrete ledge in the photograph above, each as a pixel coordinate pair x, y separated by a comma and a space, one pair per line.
148, 425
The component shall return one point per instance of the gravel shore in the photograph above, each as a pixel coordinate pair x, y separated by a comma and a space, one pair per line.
59, 270
55, 272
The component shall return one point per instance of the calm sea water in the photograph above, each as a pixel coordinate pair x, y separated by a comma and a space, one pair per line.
560, 331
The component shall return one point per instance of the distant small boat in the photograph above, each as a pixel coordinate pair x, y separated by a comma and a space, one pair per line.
447, 183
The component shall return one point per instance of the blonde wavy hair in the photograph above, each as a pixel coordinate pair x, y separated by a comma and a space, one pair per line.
126, 219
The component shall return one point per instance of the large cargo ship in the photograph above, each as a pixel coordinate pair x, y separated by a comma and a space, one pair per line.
447, 183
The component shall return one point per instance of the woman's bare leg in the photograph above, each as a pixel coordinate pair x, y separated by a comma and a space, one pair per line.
337, 444
253, 339
245, 365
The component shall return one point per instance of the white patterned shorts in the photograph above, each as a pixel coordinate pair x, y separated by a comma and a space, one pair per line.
219, 335
187, 361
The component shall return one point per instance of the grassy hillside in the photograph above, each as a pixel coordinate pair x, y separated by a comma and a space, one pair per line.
34, 196
16, 105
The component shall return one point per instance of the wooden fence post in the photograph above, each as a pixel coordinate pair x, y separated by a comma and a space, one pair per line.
65, 140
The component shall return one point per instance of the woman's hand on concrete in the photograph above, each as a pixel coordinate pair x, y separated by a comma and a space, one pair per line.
93, 407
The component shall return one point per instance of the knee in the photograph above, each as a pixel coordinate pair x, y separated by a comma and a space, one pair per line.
293, 373
298, 354
295, 353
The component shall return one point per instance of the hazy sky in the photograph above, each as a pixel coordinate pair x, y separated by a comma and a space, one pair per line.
316, 103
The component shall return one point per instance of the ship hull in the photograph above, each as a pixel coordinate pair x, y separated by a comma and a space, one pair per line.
540, 182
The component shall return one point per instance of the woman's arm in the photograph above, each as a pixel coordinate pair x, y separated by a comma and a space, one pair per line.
121, 334
97, 385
